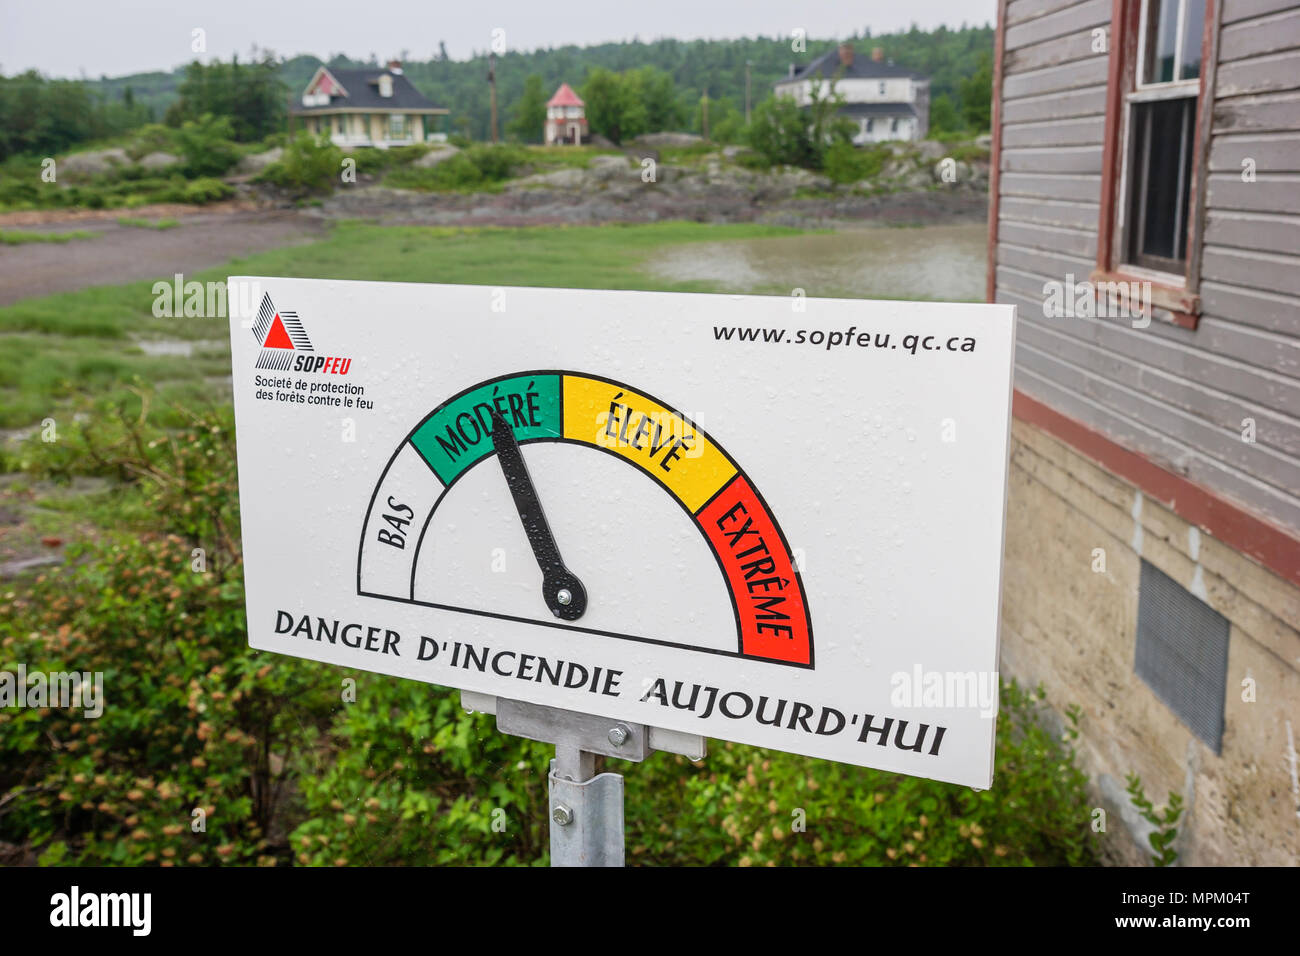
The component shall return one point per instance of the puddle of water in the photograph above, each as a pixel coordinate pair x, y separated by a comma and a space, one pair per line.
167, 347
945, 263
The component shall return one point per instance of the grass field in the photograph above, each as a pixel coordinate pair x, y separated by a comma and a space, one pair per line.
89, 341
124, 498
13, 237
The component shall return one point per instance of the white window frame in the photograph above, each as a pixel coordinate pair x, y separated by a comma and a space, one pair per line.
1144, 92
1139, 80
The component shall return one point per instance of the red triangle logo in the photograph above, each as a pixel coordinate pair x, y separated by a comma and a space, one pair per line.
277, 338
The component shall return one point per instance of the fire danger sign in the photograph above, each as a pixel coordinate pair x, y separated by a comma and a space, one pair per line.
706, 513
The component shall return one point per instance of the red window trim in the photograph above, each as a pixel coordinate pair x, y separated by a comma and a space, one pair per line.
1178, 304
995, 154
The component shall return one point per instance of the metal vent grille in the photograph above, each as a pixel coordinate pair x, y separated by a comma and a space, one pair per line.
1182, 653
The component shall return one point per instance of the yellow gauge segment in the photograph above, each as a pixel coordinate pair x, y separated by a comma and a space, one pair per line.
655, 438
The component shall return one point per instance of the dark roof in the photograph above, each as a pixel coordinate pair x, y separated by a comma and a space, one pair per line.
877, 109
862, 67
363, 92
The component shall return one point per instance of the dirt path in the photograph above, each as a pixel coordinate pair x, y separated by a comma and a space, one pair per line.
124, 253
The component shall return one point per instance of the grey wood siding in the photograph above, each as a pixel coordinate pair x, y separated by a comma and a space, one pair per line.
1177, 395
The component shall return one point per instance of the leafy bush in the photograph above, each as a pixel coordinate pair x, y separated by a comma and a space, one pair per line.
287, 768
790, 135
378, 160
202, 191
846, 163
206, 145
308, 166
1164, 823
16, 238
479, 167
191, 720
152, 138
621, 106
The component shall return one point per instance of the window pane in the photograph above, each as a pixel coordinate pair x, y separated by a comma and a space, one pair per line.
1193, 27
1161, 39
1163, 134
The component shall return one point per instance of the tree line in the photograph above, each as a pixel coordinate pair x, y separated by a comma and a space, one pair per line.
630, 87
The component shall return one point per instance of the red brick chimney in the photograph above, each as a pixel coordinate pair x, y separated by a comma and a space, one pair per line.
846, 54
877, 54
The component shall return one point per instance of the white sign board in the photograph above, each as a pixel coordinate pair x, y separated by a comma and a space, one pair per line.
759, 519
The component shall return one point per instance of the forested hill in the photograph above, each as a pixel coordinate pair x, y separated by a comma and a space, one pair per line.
947, 56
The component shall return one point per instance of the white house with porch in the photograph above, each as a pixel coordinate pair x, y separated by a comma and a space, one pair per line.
376, 107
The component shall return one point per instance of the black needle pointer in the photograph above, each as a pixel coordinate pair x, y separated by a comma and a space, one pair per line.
561, 589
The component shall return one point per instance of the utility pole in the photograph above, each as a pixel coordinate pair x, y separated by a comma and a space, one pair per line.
704, 124
492, 83
748, 64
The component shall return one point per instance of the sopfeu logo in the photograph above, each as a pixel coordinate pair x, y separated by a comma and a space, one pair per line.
285, 345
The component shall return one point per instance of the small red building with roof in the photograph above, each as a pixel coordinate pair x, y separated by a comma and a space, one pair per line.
566, 118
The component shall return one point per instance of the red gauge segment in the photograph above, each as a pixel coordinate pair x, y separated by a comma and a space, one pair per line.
768, 595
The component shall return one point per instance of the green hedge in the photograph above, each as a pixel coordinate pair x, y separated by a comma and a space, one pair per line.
286, 769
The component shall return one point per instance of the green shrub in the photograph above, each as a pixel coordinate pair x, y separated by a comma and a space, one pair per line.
308, 166
286, 769
479, 167
378, 160
14, 237
846, 163
206, 145
790, 135
1164, 823
969, 152
205, 190
153, 138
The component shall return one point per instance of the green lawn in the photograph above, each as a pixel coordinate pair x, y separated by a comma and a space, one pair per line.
86, 342
15, 237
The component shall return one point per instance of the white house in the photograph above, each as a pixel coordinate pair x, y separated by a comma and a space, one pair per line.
372, 107
884, 101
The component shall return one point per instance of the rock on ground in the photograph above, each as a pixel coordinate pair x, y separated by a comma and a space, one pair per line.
436, 156
93, 162
158, 160
256, 162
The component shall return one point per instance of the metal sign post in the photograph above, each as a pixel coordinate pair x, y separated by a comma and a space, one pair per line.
586, 808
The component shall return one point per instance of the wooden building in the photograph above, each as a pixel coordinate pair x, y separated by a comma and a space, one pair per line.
566, 118
1145, 220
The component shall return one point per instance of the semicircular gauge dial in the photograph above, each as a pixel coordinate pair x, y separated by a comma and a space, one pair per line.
568, 500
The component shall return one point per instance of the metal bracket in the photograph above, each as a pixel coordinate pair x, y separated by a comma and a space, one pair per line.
586, 808
691, 746
596, 735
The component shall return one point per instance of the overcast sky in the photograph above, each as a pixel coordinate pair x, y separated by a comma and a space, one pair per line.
113, 37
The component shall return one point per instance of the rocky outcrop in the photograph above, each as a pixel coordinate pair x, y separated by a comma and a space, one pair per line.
93, 162
436, 156
256, 162
158, 160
